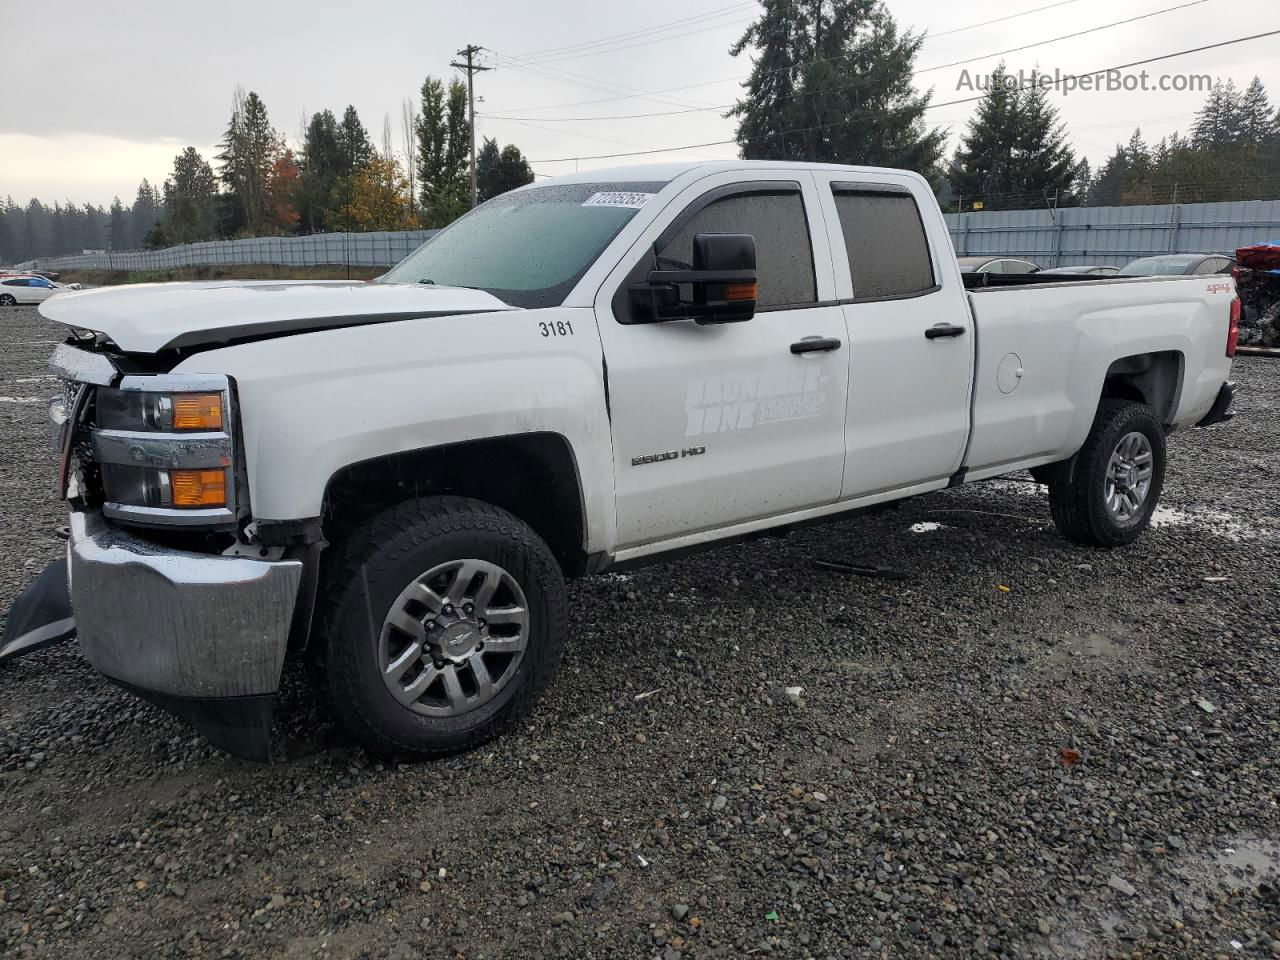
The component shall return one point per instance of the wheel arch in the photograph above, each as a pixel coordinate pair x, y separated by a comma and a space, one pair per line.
533, 476
1153, 378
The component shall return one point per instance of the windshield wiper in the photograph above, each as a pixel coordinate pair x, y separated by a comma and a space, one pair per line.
427, 280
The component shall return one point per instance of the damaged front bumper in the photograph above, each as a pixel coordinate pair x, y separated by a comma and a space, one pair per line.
202, 635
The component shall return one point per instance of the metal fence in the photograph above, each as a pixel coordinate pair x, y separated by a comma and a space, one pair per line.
1115, 235
381, 249
1052, 238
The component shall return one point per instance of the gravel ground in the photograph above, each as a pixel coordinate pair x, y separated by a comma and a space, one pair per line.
1022, 748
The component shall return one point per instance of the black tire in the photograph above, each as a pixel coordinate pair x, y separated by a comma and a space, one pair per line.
367, 571
7, 300
1078, 504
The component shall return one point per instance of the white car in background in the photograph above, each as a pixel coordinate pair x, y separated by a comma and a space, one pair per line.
28, 289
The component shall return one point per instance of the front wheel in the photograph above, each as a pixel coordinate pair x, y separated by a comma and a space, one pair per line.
8, 300
1119, 475
445, 620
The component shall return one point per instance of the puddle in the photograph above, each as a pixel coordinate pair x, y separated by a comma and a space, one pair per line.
1023, 488
1216, 522
928, 526
1248, 862
1093, 645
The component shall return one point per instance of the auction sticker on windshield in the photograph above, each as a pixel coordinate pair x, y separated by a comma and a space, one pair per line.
618, 198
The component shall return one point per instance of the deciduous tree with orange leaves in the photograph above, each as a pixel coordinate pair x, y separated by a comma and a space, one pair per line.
282, 189
377, 197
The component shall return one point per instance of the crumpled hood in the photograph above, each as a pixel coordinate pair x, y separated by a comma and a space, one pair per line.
150, 317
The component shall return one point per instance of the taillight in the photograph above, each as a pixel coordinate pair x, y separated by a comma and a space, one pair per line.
1233, 329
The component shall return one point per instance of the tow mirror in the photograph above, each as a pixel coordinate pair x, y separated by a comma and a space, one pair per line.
720, 287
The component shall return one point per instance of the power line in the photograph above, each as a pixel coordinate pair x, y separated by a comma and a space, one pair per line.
734, 80
579, 80
707, 83
631, 34
642, 43
861, 82
931, 106
1066, 36
987, 23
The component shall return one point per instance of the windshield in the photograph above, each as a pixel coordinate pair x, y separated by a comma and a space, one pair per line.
527, 248
1157, 267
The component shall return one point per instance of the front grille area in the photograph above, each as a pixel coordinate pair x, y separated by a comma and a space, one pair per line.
83, 478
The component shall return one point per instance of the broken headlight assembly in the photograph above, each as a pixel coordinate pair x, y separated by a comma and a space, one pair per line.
165, 446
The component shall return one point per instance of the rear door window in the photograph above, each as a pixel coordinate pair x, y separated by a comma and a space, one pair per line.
774, 215
885, 242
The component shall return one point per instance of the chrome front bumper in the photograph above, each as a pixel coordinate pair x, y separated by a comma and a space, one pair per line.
176, 623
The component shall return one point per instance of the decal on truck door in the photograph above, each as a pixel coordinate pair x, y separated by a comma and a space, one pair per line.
746, 401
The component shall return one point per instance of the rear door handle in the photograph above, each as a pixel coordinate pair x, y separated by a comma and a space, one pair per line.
943, 330
815, 345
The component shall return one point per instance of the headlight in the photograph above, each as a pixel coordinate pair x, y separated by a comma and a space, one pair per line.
165, 446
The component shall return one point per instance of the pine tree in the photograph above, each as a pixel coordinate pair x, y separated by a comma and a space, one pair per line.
118, 238
498, 171
983, 168
354, 148
38, 229
1107, 188
832, 81
190, 198
249, 149
1044, 162
1259, 122
10, 249
146, 210
1083, 186
1221, 120
1015, 151
319, 164
767, 109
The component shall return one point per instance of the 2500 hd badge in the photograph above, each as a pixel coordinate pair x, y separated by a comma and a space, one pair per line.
668, 455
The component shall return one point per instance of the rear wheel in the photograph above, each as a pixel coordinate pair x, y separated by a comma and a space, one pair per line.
1108, 499
8, 300
446, 619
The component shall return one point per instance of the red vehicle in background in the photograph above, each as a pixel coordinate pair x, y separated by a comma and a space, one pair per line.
1257, 276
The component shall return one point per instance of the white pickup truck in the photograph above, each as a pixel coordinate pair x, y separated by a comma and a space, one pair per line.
394, 478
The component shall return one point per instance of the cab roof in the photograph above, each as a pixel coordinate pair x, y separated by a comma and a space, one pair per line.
666, 172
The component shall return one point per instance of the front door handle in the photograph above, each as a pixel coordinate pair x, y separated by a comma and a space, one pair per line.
815, 345
943, 330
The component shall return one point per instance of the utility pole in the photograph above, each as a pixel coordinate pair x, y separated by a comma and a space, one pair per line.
469, 52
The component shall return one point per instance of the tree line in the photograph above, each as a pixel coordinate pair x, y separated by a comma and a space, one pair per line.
257, 184
832, 81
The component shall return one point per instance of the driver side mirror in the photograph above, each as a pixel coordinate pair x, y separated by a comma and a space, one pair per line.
720, 287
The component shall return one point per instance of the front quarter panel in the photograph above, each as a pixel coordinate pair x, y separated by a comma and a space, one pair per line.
315, 403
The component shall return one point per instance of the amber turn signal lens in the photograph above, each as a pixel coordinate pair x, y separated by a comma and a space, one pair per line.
740, 291
198, 488
197, 411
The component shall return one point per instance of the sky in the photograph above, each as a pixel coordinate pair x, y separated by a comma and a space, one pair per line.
95, 100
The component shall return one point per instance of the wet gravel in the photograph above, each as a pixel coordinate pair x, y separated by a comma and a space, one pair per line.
1023, 748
